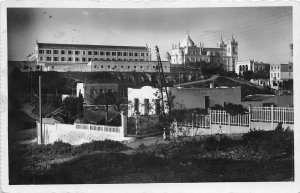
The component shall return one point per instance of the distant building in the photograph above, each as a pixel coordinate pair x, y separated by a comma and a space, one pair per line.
188, 51
90, 91
187, 98
280, 73
127, 66
251, 65
76, 53
261, 82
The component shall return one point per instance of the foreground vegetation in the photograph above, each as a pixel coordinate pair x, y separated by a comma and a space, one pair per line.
255, 156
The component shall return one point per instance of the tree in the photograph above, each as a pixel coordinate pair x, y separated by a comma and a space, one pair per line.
80, 106
70, 106
248, 75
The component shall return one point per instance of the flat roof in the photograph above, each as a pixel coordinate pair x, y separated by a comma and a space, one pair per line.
78, 46
257, 97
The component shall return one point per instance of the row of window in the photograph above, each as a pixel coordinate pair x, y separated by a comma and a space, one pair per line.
273, 75
95, 53
70, 59
275, 67
108, 66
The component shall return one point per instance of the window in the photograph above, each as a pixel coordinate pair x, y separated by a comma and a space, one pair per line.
89, 59
135, 54
290, 67
41, 51
124, 53
55, 58
48, 51
101, 66
48, 58
83, 52
128, 67
95, 53
119, 53
130, 54
70, 52
77, 52
89, 53
107, 53
134, 67
146, 54
77, 59
108, 66
121, 66
113, 53
141, 66
62, 52
70, 59
101, 53
62, 59
83, 59
136, 60
41, 58
142, 54
55, 52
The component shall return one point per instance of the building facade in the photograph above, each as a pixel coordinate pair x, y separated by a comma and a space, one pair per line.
76, 53
280, 73
251, 65
188, 51
203, 98
90, 91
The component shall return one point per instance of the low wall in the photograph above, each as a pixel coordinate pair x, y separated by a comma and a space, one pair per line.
269, 126
81, 133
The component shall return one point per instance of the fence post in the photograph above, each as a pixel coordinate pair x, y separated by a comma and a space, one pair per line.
272, 117
229, 123
249, 117
193, 124
210, 127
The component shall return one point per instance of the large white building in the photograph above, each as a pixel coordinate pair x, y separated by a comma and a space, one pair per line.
75, 53
187, 51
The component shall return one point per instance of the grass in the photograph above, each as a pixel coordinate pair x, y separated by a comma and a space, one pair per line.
254, 157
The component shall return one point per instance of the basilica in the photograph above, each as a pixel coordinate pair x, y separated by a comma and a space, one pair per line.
187, 51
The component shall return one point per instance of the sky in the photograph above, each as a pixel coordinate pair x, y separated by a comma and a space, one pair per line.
263, 33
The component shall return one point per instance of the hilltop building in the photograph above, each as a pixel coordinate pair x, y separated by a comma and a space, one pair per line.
280, 73
187, 51
251, 65
76, 53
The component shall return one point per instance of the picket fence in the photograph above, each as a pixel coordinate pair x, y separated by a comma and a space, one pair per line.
270, 115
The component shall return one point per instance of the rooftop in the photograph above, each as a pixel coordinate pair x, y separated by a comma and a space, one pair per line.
257, 97
85, 46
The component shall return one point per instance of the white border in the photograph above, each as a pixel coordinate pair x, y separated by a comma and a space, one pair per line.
278, 187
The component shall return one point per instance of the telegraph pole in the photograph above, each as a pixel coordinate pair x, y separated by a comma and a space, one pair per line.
162, 79
40, 106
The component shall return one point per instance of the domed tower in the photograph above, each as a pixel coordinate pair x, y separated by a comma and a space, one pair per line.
187, 42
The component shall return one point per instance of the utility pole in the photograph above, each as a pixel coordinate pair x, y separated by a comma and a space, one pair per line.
40, 106
162, 80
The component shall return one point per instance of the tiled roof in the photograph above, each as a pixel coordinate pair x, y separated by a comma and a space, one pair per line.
86, 46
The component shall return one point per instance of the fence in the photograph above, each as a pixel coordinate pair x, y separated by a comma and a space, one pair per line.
219, 121
272, 114
219, 117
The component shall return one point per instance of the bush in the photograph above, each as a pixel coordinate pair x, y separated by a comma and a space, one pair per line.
275, 142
